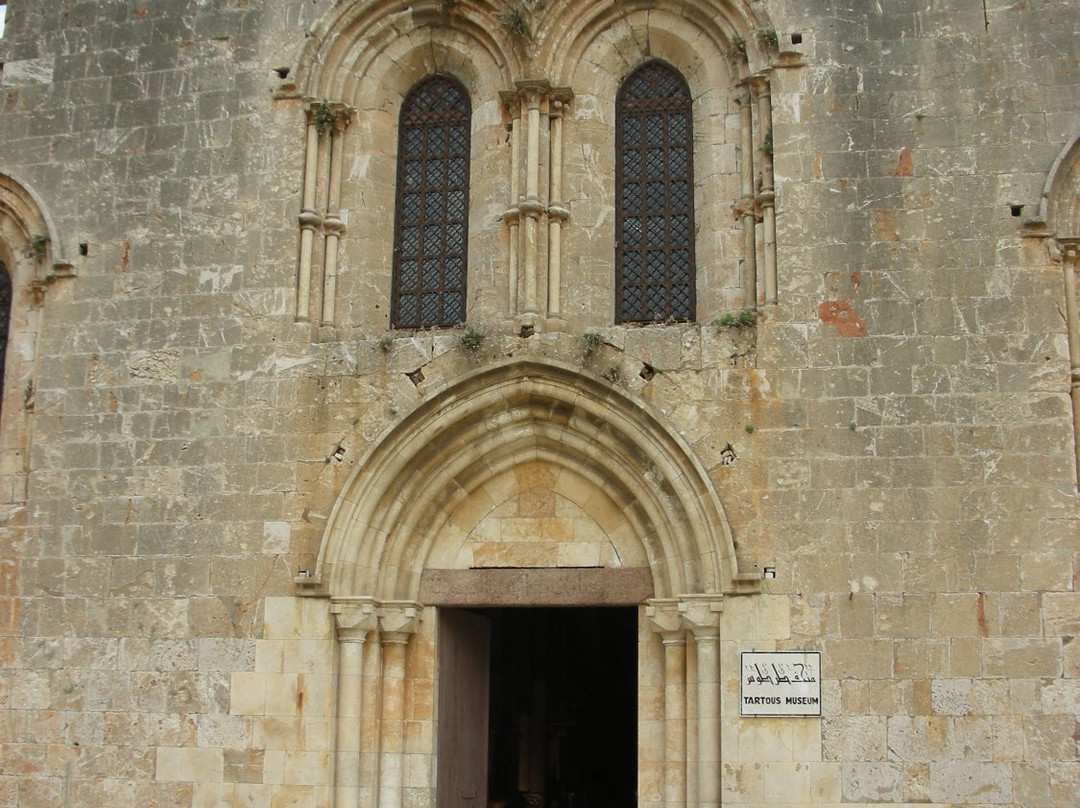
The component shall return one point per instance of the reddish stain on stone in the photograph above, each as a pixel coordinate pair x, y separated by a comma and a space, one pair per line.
905, 166
980, 614
841, 315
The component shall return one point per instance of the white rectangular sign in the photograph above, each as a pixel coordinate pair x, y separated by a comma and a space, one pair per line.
780, 683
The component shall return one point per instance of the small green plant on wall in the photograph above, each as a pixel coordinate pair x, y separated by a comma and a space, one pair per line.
769, 38
745, 318
323, 117
516, 18
38, 247
472, 339
593, 341
515, 22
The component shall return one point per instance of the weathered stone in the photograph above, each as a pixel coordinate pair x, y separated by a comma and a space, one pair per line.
214, 445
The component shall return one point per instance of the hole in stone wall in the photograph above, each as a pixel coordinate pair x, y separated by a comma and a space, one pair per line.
282, 72
416, 376
527, 331
796, 39
1015, 209
647, 372
84, 248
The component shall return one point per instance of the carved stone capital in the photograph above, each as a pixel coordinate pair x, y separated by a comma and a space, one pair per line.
1068, 249
354, 618
663, 615
533, 91
701, 614
328, 116
398, 619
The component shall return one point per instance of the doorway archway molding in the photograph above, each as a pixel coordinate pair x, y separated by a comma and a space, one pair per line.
390, 523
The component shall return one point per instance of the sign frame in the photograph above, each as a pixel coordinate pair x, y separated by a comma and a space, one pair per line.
780, 684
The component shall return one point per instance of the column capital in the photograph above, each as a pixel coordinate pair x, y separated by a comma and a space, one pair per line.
354, 617
399, 617
560, 98
663, 615
533, 90
759, 84
1068, 249
701, 613
328, 116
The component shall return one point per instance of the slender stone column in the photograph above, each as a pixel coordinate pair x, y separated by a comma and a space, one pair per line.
531, 206
675, 718
310, 220
512, 216
397, 623
767, 195
1070, 253
664, 616
354, 618
334, 226
557, 210
746, 201
701, 615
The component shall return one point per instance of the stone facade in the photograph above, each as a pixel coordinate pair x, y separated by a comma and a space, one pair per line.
235, 500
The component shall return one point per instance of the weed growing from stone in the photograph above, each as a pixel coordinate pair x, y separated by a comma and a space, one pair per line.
472, 339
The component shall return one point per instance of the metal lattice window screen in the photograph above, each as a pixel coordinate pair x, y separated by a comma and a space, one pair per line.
432, 206
654, 197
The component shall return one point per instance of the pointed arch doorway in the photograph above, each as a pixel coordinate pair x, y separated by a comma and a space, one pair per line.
527, 486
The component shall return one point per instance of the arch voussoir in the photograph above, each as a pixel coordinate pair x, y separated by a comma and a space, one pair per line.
465, 441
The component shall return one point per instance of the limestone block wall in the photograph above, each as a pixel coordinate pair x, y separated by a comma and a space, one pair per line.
894, 436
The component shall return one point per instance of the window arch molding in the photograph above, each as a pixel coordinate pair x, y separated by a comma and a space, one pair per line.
368, 58
29, 252
714, 83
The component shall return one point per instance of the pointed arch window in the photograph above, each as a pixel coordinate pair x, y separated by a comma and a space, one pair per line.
432, 206
654, 186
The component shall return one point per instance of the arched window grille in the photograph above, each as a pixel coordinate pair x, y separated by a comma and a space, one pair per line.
654, 186
432, 206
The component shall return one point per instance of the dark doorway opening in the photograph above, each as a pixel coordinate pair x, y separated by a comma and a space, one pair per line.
538, 707
563, 708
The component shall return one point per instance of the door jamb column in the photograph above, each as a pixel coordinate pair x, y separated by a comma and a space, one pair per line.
354, 618
397, 623
664, 616
701, 615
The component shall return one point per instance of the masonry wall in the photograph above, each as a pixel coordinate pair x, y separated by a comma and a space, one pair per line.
900, 420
